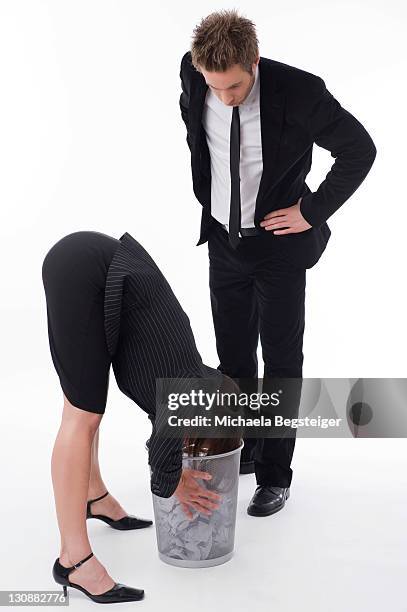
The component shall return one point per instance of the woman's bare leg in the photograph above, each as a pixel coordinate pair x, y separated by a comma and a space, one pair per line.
70, 467
108, 506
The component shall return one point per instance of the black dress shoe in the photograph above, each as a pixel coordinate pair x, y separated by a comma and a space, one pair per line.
124, 524
118, 592
268, 500
246, 467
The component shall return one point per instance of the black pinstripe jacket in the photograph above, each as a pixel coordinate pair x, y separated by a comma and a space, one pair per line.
149, 336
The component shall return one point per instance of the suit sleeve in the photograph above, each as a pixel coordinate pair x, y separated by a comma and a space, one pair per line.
164, 453
165, 459
184, 97
338, 131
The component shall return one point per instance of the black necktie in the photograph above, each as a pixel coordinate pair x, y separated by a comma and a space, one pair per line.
234, 215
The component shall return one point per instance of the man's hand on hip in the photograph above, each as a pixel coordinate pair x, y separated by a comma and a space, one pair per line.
289, 218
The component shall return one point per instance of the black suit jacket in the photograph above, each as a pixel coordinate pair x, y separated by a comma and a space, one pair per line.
296, 110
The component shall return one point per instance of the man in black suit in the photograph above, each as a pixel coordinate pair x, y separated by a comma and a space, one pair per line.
251, 125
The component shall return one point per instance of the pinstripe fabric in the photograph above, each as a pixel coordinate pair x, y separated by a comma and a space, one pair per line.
149, 336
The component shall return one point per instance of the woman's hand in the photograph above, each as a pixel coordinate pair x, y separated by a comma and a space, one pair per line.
190, 493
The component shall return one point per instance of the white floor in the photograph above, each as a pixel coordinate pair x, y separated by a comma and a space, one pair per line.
338, 545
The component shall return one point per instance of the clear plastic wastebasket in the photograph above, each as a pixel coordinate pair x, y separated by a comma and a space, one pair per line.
202, 541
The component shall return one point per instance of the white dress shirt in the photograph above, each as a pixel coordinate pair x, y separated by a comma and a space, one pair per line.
216, 120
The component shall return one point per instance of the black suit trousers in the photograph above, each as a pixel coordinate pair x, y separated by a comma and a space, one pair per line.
257, 293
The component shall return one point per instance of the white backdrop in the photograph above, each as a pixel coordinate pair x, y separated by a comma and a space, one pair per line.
91, 138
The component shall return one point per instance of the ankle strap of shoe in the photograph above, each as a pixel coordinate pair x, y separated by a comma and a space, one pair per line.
67, 570
98, 498
83, 560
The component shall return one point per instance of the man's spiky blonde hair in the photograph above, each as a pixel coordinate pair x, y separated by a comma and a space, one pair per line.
223, 39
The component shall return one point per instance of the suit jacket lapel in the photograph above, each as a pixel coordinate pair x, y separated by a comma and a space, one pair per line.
272, 102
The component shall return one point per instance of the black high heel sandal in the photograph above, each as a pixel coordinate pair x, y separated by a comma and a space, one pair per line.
118, 592
125, 523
